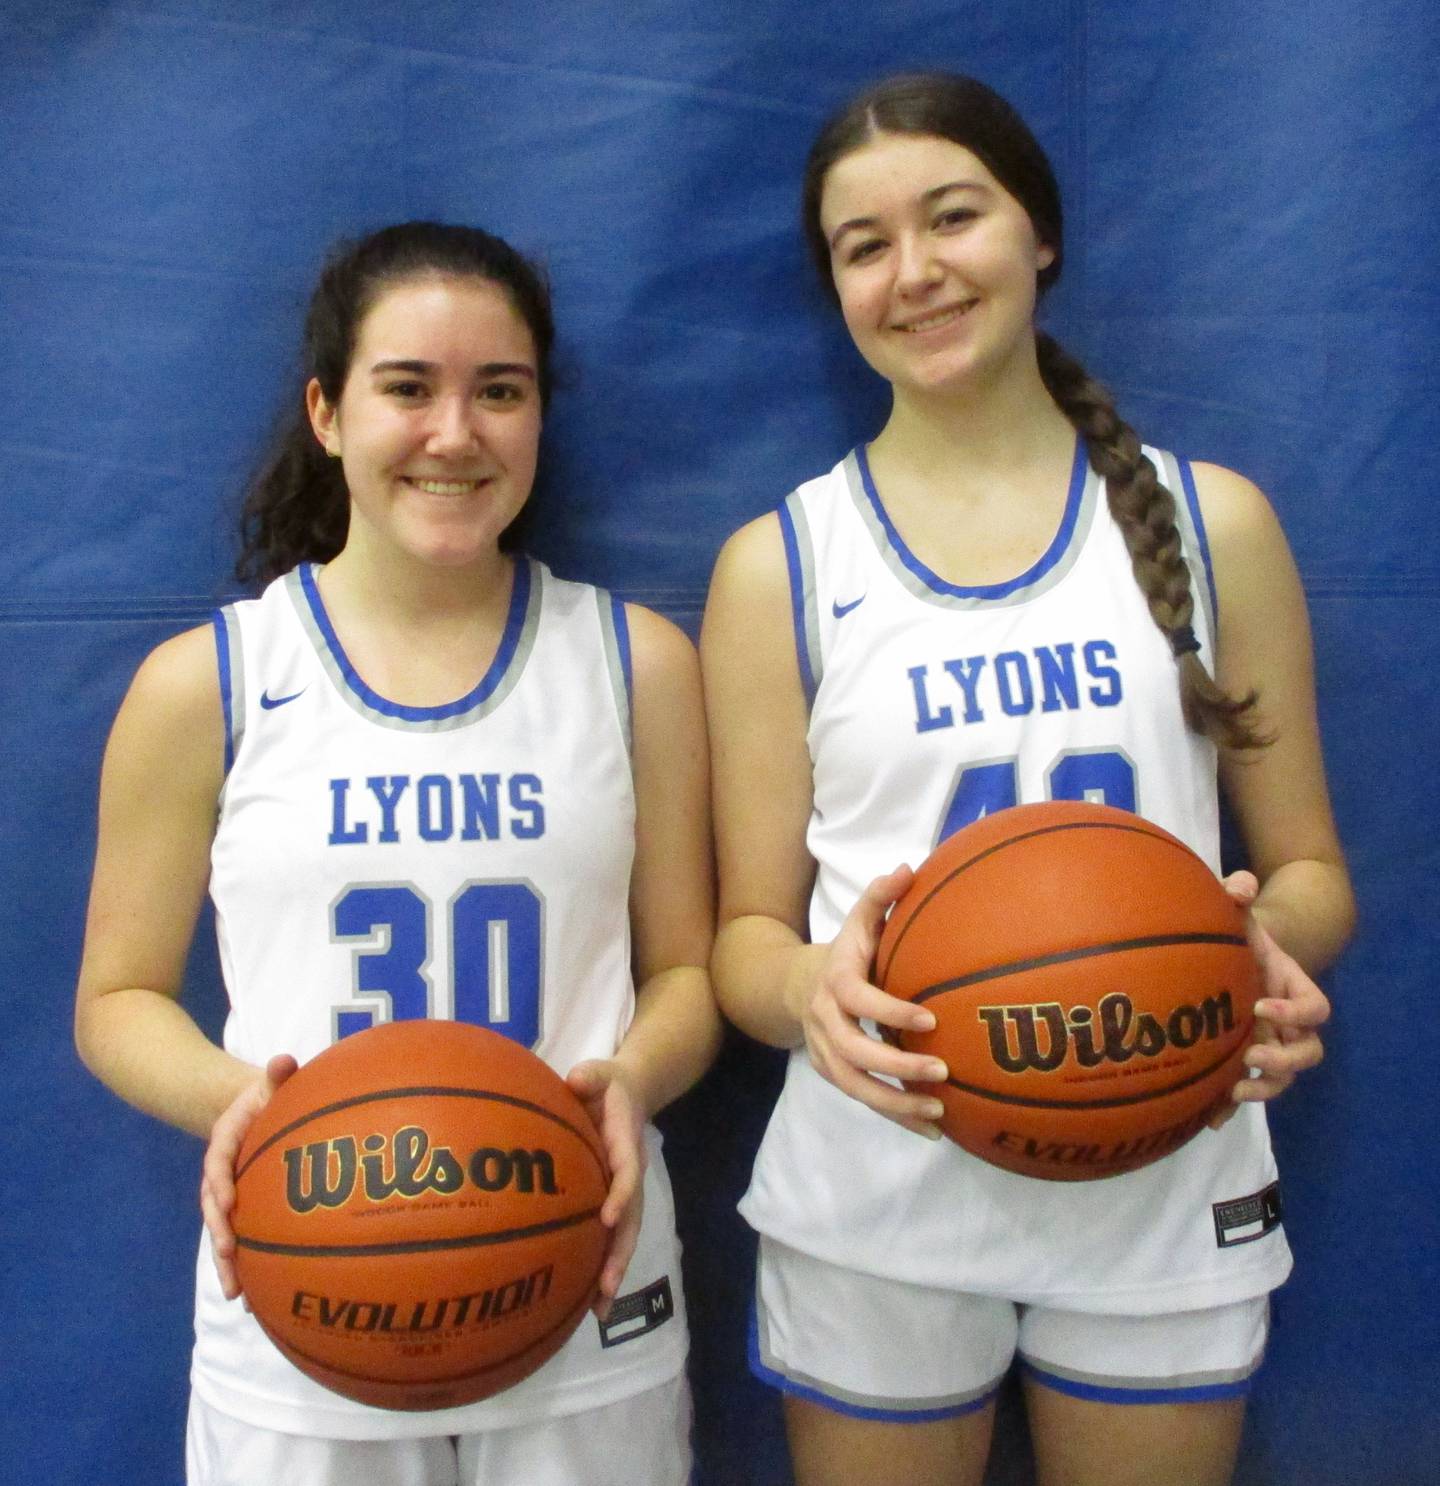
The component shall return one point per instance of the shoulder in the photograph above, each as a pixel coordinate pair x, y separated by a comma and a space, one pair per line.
1261, 596
753, 561
662, 654
1235, 509
1247, 545
171, 724
180, 679
747, 630
668, 710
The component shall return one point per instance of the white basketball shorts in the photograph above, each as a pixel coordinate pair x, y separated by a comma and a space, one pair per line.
883, 1349
643, 1440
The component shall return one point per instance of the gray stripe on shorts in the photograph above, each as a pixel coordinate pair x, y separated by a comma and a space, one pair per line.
782, 1369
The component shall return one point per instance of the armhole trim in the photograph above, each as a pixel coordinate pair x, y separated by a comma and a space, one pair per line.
1202, 545
800, 563
615, 634
229, 660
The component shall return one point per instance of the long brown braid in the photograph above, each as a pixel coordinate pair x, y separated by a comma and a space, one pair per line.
965, 111
1144, 510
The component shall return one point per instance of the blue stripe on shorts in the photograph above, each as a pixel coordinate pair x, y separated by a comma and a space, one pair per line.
1113, 1393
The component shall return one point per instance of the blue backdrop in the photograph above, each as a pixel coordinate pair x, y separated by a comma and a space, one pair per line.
1251, 243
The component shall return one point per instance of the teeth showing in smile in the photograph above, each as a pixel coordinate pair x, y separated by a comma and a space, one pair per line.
446, 487
933, 322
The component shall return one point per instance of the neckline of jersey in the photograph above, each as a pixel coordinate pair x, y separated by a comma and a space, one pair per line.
1037, 570
499, 666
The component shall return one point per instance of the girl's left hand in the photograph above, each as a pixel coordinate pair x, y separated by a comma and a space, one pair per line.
1288, 1016
618, 1117
217, 1178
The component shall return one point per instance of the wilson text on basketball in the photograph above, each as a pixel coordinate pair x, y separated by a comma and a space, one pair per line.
324, 1173
1114, 1032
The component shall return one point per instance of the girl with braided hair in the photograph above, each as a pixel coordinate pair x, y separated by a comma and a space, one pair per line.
1002, 598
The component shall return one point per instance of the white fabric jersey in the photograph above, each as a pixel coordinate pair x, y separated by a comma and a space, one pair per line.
930, 706
472, 861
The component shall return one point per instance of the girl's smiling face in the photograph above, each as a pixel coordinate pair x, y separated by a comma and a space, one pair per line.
933, 260
438, 423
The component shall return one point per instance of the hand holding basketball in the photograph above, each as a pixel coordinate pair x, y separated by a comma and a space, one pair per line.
1093, 986
217, 1173
617, 1115
1289, 1014
839, 1048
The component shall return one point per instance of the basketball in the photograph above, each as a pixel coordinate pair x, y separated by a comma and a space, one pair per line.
1092, 986
417, 1215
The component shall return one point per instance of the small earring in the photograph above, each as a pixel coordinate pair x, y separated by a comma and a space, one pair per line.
333, 453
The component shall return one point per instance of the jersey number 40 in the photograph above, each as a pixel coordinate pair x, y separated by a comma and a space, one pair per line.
1104, 776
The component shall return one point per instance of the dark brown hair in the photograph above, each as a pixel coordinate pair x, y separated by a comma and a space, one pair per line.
966, 112
297, 508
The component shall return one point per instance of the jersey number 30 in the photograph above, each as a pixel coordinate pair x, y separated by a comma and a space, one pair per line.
496, 937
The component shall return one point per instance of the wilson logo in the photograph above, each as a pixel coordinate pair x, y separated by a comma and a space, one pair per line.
324, 1173
1039, 1038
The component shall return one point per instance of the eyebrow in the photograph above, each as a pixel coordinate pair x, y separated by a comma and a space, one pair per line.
428, 368
926, 197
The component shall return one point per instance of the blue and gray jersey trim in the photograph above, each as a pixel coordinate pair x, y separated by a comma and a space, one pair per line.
800, 561
516, 643
230, 661
1192, 531
615, 633
1081, 500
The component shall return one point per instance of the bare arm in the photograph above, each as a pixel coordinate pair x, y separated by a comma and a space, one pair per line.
1304, 910
764, 969
158, 791
675, 1033
770, 981
1278, 793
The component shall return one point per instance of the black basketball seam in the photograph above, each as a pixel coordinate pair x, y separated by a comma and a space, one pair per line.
1119, 1102
1154, 832
444, 1090
1067, 956
568, 1319
414, 1246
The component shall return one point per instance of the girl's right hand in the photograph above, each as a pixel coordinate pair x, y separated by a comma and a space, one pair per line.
833, 1005
217, 1180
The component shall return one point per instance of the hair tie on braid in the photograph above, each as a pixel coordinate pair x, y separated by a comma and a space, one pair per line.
1182, 640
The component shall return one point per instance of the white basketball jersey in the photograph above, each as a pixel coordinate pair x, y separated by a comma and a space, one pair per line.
932, 705
472, 861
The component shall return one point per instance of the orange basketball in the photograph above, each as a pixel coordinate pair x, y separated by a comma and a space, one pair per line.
1092, 986
417, 1215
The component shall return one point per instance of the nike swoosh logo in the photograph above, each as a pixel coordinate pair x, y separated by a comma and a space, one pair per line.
268, 702
840, 610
